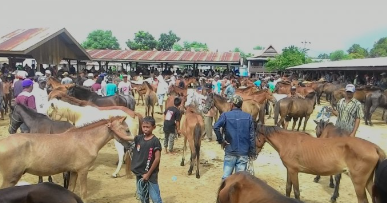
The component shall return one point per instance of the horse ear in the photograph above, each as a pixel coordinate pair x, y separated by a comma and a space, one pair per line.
315, 121
123, 119
52, 105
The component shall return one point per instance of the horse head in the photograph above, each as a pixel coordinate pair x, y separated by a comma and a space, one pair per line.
320, 126
15, 120
120, 129
209, 103
260, 137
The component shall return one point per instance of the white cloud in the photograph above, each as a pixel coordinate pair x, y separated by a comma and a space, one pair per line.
328, 25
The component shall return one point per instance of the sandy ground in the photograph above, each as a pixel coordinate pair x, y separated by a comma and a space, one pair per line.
183, 188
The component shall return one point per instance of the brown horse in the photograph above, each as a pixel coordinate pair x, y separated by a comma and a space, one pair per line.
140, 91
318, 87
249, 106
175, 90
244, 187
55, 84
329, 88
77, 148
188, 81
360, 94
170, 102
284, 88
300, 152
150, 99
295, 108
40, 193
193, 131
329, 130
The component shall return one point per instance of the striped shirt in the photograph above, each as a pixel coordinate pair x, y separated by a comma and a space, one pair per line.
348, 113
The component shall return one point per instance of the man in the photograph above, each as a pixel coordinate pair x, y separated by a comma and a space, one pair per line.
140, 78
216, 85
1, 98
239, 140
41, 96
258, 83
271, 84
230, 89
349, 112
209, 116
111, 88
124, 87
66, 79
171, 125
383, 81
18, 84
27, 99
47, 73
294, 94
90, 80
162, 88
379, 189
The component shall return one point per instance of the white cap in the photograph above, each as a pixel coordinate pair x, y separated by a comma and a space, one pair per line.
350, 88
90, 75
48, 71
38, 74
175, 74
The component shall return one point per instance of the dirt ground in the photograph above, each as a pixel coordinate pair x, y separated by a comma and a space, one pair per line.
177, 186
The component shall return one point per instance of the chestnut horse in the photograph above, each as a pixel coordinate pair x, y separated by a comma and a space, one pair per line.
74, 150
175, 90
374, 100
192, 127
55, 84
284, 88
295, 108
42, 193
150, 99
307, 154
324, 129
244, 187
80, 116
140, 91
188, 81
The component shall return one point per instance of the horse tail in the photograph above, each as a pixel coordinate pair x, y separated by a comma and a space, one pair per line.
77, 199
220, 189
276, 112
197, 138
381, 153
148, 100
262, 111
139, 123
128, 163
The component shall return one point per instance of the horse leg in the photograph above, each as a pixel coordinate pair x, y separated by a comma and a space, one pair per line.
40, 179
193, 155
331, 185
66, 179
50, 179
294, 180
83, 183
306, 121
299, 124
336, 192
288, 185
294, 123
372, 110
121, 153
153, 111
11, 177
73, 181
197, 164
317, 178
184, 148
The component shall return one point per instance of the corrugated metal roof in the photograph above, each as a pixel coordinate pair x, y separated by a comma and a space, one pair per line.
369, 62
22, 39
167, 56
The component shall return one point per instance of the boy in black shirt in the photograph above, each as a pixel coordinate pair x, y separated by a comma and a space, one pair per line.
145, 162
172, 118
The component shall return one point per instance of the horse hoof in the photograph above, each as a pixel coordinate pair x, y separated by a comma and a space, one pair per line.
333, 199
114, 176
197, 176
316, 180
332, 185
189, 172
182, 163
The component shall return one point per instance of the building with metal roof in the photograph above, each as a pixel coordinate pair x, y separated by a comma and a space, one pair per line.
368, 64
45, 45
256, 64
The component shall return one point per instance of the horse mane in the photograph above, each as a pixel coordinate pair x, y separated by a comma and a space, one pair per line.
29, 111
310, 95
94, 124
269, 130
220, 97
284, 82
340, 132
71, 100
148, 85
54, 79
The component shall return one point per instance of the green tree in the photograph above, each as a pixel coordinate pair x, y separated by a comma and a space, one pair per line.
142, 41
167, 40
258, 48
291, 56
101, 39
339, 55
177, 47
380, 48
356, 51
323, 56
243, 54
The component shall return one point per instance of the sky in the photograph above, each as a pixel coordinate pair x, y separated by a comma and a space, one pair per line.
328, 25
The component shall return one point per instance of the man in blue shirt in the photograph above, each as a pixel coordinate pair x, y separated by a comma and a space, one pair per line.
239, 140
230, 89
258, 83
111, 88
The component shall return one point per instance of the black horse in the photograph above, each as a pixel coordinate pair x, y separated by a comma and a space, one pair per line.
84, 93
42, 193
37, 123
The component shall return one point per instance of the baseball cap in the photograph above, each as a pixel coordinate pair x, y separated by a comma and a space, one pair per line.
65, 73
236, 99
42, 79
350, 88
90, 75
381, 176
293, 87
175, 74
124, 76
48, 71
27, 83
38, 74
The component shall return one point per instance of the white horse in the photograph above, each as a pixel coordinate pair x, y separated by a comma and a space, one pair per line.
81, 116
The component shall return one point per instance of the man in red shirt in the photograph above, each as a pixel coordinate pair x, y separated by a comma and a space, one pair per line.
27, 99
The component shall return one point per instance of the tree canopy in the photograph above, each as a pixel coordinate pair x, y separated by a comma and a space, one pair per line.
380, 48
258, 47
339, 55
187, 46
101, 39
291, 56
143, 41
167, 40
356, 51
323, 56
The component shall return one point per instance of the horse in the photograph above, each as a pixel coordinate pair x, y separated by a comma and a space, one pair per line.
324, 129
55, 84
318, 87
248, 106
140, 91
170, 102
359, 94
192, 129
79, 116
188, 81
284, 88
37, 123
294, 108
150, 99
329, 88
77, 148
311, 155
244, 187
175, 90
374, 100
83, 93
39, 193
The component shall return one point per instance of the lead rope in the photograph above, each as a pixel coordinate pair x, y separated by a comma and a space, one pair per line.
250, 167
142, 190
